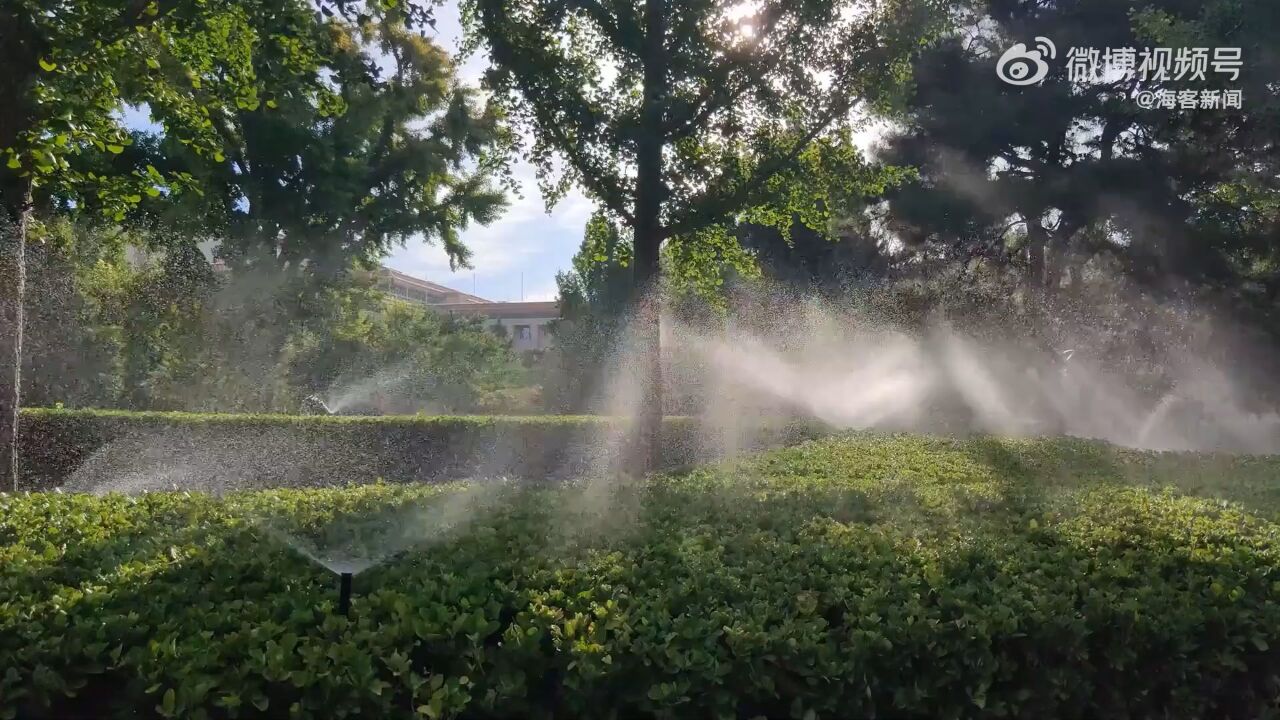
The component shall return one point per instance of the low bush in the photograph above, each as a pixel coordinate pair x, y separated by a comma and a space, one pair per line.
854, 577
225, 450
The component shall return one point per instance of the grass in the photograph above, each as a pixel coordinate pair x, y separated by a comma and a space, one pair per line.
904, 576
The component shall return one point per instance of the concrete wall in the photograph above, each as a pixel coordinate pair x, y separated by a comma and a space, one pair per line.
538, 329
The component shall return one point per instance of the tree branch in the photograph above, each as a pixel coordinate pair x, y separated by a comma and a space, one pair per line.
595, 179
705, 209
553, 103
702, 106
623, 36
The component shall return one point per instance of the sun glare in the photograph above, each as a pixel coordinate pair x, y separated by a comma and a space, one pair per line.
744, 14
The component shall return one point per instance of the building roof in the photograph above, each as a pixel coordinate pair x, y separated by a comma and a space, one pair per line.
461, 297
501, 310
466, 305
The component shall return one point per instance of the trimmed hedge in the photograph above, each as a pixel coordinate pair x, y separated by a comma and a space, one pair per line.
867, 577
209, 450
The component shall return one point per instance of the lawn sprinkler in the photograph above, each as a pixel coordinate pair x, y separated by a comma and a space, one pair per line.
315, 406
344, 593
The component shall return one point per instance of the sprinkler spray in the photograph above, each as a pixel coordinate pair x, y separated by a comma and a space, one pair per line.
315, 406
344, 593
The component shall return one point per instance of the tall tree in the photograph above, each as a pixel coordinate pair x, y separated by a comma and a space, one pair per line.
676, 116
1235, 216
307, 188
809, 261
71, 349
72, 65
594, 296
68, 67
381, 354
1049, 175
399, 149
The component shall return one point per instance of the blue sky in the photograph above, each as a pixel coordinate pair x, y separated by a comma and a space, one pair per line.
525, 243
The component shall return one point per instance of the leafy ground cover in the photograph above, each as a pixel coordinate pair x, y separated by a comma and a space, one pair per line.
865, 576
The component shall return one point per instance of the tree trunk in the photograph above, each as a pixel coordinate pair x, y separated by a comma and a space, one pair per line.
20, 46
647, 244
1054, 258
1075, 280
15, 206
1037, 241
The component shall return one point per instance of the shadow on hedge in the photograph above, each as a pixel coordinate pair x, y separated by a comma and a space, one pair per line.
1037, 469
990, 597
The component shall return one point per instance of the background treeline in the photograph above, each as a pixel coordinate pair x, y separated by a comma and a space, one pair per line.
168, 333
1060, 212
128, 307
1045, 209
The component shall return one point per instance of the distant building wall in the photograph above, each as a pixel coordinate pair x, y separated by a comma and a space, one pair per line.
527, 324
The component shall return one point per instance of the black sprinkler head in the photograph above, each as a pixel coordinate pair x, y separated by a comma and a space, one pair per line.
344, 593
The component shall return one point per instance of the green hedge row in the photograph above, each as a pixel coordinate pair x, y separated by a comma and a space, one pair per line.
205, 451
902, 578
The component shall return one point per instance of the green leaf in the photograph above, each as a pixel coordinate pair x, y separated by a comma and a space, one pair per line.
169, 702
115, 149
47, 65
14, 163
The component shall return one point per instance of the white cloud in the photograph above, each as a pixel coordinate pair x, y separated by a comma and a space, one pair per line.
525, 243
524, 240
573, 212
